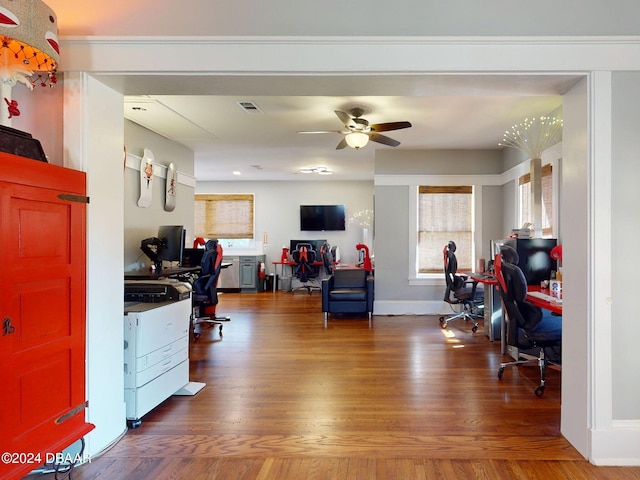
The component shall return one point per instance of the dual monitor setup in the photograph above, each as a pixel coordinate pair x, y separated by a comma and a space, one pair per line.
167, 246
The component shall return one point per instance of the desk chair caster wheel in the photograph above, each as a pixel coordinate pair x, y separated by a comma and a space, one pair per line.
443, 322
475, 328
134, 423
539, 391
196, 336
500, 373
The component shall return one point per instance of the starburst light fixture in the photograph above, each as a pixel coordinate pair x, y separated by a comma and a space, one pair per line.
533, 136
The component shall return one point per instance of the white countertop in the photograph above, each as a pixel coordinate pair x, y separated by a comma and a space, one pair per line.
237, 252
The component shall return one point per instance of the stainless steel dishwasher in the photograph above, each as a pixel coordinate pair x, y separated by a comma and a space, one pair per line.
230, 276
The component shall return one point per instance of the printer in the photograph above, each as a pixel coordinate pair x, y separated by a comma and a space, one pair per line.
156, 291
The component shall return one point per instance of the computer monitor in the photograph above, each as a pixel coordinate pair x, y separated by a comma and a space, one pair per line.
172, 238
167, 246
534, 257
192, 257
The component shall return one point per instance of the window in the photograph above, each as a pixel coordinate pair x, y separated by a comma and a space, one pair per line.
444, 213
524, 194
227, 216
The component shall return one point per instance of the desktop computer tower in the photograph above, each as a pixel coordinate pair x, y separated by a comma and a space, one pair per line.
535, 261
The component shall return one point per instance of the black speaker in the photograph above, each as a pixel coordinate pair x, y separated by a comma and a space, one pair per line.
21, 144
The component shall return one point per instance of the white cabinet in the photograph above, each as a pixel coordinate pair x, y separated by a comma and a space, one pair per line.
156, 354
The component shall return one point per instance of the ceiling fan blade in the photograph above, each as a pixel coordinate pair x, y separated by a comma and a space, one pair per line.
376, 137
342, 144
344, 118
385, 127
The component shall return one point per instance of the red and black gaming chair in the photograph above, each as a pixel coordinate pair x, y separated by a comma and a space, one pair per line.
461, 292
537, 333
304, 257
205, 292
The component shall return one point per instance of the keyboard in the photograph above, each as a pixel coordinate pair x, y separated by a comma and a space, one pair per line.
544, 296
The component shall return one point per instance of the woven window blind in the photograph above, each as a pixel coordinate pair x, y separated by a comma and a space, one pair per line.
223, 216
444, 214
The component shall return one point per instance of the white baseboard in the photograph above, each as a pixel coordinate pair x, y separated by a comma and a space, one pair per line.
619, 445
410, 307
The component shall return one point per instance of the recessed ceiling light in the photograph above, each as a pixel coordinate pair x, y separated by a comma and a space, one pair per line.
236, 172
320, 170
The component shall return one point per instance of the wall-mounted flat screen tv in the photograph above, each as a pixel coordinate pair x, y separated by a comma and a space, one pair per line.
316, 218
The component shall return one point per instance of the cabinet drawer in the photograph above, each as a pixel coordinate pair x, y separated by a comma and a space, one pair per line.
161, 354
139, 401
138, 379
248, 259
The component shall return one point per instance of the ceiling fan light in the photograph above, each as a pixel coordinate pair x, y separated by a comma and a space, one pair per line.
357, 140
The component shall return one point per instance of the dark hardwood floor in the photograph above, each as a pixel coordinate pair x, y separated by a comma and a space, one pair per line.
288, 399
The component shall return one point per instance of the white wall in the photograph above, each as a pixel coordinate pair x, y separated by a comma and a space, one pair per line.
277, 212
93, 139
141, 223
397, 176
337, 17
577, 195
41, 115
625, 258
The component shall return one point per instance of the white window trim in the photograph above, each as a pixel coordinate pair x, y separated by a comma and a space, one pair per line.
553, 156
477, 181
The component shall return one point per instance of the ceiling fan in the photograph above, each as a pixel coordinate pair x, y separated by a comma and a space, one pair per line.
358, 131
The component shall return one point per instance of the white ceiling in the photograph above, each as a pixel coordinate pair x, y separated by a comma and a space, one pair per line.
446, 111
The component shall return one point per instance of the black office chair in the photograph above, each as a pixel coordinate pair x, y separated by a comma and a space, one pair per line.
461, 292
537, 333
205, 292
305, 271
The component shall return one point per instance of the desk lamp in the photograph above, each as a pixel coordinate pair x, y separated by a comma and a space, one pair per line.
28, 44
367, 260
556, 253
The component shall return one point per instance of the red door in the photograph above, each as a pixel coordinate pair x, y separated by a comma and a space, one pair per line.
42, 307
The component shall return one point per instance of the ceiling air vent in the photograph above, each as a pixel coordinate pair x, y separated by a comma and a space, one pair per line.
249, 107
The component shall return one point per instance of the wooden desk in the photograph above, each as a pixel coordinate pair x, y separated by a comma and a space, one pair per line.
484, 278
349, 266
554, 306
493, 317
